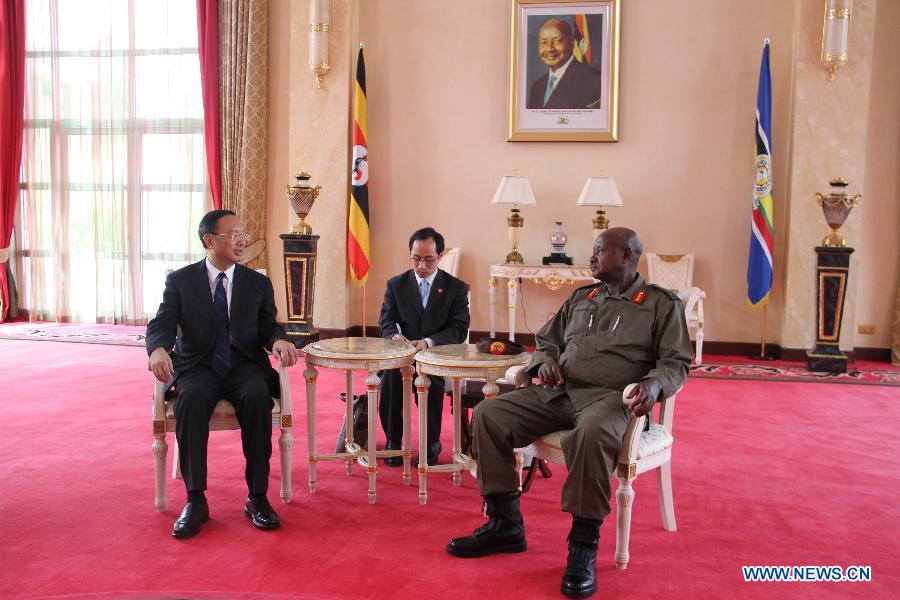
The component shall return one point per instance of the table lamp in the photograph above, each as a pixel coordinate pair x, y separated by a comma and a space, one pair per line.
515, 190
600, 191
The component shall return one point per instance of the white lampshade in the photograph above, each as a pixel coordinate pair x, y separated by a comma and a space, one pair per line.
600, 191
514, 189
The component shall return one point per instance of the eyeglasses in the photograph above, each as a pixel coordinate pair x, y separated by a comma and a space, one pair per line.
235, 236
423, 260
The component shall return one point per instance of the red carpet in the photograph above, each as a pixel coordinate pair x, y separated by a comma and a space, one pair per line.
764, 474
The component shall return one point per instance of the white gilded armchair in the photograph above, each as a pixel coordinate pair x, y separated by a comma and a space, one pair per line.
641, 451
676, 272
223, 418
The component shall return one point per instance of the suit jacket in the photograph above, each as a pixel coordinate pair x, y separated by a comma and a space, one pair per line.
446, 318
187, 304
580, 87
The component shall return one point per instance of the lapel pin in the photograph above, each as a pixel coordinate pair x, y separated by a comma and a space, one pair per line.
440, 290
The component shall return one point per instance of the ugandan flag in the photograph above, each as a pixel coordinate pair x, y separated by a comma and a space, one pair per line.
358, 218
582, 48
759, 263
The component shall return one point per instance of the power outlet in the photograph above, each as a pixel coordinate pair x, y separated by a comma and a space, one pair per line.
866, 329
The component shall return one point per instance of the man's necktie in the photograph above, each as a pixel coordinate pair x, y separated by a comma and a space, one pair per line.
221, 360
551, 83
424, 289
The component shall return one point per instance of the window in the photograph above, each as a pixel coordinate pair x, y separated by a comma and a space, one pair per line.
113, 179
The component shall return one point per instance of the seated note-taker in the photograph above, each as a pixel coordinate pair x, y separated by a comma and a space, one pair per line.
426, 307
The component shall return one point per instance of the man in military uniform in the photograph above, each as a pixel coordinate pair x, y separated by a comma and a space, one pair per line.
604, 337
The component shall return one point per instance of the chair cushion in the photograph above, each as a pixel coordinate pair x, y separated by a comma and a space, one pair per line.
223, 409
653, 441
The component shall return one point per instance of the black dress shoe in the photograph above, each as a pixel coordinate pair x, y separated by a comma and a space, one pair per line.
261, 513
193, 515
434, 452
393, 461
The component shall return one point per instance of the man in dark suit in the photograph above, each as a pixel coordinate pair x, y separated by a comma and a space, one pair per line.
226, 313
425, 307
569, 83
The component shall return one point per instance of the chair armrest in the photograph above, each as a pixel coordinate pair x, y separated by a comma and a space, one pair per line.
159, 400
518, 376
284, 383
632, 441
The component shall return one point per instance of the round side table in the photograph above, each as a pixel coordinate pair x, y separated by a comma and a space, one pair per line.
458, 362
359, 354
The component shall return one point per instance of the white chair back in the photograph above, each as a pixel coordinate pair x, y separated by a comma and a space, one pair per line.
450, 261
671, 271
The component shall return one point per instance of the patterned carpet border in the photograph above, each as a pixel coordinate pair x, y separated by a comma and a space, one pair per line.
890, 377
133, 335
112, 335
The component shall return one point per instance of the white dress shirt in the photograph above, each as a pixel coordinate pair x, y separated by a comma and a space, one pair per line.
212, 273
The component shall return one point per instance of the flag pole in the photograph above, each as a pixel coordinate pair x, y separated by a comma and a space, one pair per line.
364, 311
762, 341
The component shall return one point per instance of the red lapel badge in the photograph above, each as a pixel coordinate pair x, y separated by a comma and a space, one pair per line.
639, 297
593, 293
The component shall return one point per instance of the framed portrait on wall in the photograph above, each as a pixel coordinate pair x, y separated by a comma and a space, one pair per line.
564, 71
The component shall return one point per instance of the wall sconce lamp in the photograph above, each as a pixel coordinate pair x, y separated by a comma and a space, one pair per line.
514, 190
835, 34
600, 191
319, 26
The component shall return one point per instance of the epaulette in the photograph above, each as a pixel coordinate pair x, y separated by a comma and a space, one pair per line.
670, 293
589, 286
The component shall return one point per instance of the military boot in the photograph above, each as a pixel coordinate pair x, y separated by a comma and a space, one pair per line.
504, 531
579, 580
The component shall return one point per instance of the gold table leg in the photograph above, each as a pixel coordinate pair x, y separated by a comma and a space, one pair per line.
372, 382
310, 375
348, 430
422, 383
457, 426
407, 373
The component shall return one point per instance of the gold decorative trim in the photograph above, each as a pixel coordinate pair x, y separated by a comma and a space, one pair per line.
838, 309
292, 313
371, 469
670, 258
287, 421
834, 356
159, 427
318, 27
422, 471
627, 471
310, 459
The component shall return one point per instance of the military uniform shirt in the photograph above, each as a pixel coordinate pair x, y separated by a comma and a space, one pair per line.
604, 341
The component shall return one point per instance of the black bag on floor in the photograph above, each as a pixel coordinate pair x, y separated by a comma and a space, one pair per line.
360, 423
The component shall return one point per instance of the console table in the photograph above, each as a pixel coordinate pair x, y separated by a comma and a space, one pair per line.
553, 276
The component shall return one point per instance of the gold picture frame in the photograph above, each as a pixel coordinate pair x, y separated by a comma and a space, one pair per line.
579, 40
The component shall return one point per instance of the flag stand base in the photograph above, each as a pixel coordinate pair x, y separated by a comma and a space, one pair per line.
757, 356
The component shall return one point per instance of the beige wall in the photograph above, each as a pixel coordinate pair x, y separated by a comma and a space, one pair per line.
437, 111
879, 212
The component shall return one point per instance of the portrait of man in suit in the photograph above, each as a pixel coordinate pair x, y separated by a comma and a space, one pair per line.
568, 82
219, 317
426, 307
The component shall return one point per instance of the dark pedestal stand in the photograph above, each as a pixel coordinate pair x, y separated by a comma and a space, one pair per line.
300, 286
832, 268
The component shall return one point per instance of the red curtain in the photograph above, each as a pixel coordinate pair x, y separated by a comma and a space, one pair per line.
208, 32
12, 99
